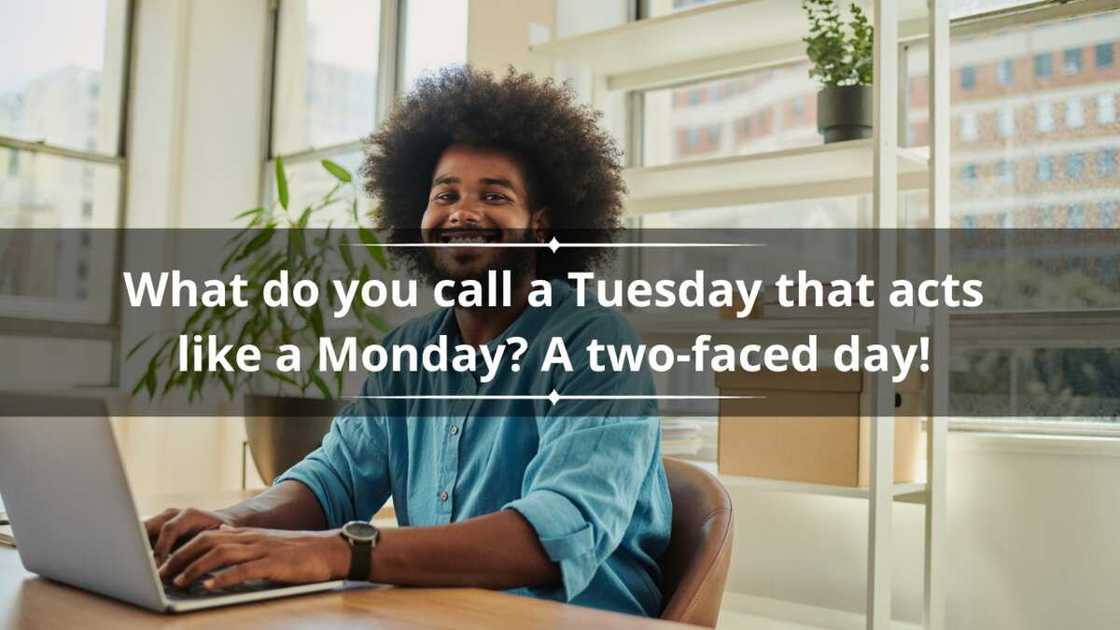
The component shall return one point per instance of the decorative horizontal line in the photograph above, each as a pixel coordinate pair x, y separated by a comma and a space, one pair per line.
553, 397
555, 244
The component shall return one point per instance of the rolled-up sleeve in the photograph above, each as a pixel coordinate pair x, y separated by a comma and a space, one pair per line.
580, 490
349, 472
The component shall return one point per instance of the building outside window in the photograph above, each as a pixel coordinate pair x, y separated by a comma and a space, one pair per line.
62, 170
1005, 121
1075, 113
1015, 174
1108, 218
1106, 109
1106, 163
1075, 165
1005, 171
968, 77
969, 174
1044, 170
1043, 65
1044, 117
970, 130
1103, 55
329, 92
1071, 61
1005, 72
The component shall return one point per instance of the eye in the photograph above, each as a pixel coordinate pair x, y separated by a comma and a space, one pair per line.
446, 196
494, 197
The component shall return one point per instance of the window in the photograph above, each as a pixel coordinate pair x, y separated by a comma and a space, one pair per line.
1044, 117
970, 130
1005, 171
326, 87
1108, 217
1071, 61
1106, 163
61, 168
1044, 171
435, 36
1106, 109
1043, 65
1019, 173
1005, 120
1103, 55
330, 91
1075, 114
669, 110
968, 77
969, 174
1005, 72
1075, 166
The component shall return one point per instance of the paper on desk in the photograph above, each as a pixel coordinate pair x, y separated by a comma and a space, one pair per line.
6, 537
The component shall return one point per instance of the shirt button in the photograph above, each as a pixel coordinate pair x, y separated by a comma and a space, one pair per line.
454, 429
443, 496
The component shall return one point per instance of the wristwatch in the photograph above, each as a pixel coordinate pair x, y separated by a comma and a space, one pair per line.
362, 538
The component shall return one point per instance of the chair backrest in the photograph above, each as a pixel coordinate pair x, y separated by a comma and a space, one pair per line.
694, 567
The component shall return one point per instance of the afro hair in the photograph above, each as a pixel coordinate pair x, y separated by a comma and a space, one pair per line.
571, 166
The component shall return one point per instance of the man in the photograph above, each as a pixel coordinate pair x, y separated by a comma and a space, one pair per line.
566, 501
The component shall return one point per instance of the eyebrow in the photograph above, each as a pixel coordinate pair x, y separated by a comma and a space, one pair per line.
497, 181
488, 181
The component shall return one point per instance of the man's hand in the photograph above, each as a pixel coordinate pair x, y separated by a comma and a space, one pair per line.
234, 555
173, 525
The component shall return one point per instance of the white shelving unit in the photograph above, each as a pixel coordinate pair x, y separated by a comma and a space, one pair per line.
733, 36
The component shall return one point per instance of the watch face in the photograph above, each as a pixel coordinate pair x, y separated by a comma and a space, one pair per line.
359, 531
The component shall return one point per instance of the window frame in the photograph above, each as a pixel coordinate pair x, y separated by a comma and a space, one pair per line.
110, 331
390, 60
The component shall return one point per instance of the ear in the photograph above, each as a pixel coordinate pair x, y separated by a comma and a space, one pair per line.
540, 225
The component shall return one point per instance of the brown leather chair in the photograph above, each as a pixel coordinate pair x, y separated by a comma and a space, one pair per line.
694, 567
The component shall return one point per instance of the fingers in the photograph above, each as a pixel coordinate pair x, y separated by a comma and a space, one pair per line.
154, 524
184, 524
238, 573
219, 557
196, 547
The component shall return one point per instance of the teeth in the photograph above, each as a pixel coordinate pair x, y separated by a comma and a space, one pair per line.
465, 238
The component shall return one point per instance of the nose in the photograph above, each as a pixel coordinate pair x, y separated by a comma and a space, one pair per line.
465, 214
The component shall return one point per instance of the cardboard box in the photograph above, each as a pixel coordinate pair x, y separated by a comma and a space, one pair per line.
813, 427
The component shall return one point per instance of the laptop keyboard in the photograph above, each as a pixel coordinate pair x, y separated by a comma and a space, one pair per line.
196, 591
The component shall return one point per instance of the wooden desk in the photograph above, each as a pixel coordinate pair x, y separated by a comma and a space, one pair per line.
28, 601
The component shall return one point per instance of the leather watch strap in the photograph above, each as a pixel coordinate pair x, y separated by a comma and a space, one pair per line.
359, 560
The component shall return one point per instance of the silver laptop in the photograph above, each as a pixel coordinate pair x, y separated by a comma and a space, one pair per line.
72, 512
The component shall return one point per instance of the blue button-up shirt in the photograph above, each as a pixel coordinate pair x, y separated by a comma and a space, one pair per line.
585, 473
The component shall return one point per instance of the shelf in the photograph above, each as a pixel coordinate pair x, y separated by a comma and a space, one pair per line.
904, 492
753, 32
828, 170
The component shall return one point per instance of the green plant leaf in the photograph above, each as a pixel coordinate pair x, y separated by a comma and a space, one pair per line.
315, 318
281, 183
150, 383
373, 246
249, 213
339, 172
344, 252
257, 242
319, 383
138, 345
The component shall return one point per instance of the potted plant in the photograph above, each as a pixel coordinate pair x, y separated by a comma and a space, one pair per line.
282, 421
842, 55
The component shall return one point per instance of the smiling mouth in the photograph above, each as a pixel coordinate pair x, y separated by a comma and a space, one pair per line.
470, 237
